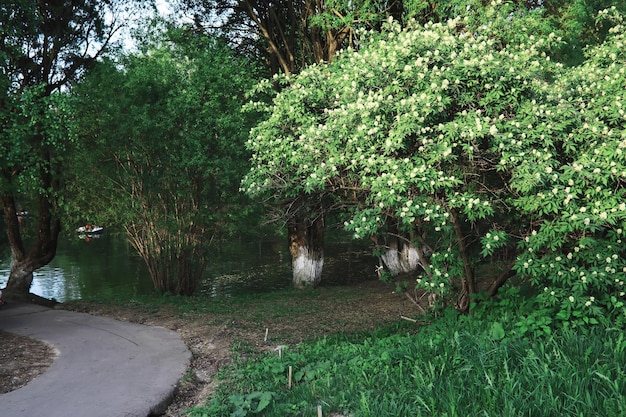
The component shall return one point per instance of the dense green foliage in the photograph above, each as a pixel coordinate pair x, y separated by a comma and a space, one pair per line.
44, 48
475, 143
37, 132
292, 34
162, 151
569, 177
455, 366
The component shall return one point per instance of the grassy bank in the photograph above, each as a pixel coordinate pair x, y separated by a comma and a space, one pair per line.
290, 316
453, 367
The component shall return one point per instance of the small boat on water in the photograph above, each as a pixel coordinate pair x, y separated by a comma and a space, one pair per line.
90, 229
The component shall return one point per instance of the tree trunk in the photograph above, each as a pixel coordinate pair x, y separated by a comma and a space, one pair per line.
189, 269
468, 283
306, 245
43, 250
399, 256
20, 278
501, 279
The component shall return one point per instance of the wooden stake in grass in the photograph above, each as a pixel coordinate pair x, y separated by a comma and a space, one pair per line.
319, 410
408, 319
289, 380
266, 332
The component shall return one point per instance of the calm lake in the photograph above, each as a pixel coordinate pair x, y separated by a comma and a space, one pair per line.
106, 265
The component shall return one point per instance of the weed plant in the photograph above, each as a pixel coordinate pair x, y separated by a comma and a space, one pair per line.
456, 366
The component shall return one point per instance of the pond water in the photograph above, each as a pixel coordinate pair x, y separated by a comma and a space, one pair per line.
106, 265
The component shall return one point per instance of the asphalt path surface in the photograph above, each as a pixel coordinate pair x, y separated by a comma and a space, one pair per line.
104, 367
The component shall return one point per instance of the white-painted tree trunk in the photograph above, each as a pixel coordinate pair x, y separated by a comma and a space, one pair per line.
400, 257
307, 265
306, 245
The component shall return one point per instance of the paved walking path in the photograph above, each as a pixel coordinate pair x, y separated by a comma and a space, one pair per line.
104, 367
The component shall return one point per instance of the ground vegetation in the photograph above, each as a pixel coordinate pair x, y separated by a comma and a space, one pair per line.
455, 365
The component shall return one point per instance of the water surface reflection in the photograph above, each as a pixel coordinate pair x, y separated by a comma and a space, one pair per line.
107, 266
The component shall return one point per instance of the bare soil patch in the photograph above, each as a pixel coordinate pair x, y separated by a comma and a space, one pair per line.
22, 359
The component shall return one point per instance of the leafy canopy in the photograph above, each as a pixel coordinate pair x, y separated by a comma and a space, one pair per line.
162, 155
476, 142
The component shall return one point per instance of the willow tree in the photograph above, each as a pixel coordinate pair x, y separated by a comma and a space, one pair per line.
44, 48
163, 151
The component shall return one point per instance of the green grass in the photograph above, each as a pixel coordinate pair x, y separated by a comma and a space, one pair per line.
454, 367
275, 303
292, 316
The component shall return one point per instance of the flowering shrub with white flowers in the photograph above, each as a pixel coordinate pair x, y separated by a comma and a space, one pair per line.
569, 180
484, 150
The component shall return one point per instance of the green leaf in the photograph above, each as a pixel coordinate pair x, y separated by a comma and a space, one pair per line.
266, 398
497, 331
